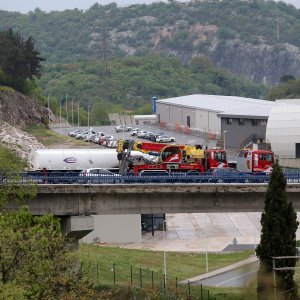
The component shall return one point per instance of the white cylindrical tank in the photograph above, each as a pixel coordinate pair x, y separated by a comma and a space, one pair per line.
76, 159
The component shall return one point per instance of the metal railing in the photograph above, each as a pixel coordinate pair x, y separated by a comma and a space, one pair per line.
172, 177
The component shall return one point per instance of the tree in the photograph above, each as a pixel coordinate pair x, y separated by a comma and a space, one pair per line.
200, 64
287, 78
37, 261
10, 190
278, 238
18, 59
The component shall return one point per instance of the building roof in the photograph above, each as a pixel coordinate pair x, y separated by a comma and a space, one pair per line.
224, 105
145, 117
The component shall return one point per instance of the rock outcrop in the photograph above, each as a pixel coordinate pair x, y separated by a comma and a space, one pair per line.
16, 112
22, 143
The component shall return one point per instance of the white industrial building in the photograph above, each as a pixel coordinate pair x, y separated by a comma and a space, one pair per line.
200, 111
283, 131
131, 120
201, 115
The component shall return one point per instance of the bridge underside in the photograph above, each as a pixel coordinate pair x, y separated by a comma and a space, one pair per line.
86, 200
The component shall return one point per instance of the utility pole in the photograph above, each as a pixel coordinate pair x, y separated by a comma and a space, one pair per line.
78, 115
48, 111
67, 108
72, 114
277, 31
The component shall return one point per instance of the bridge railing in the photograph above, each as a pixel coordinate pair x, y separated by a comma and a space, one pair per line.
172, 177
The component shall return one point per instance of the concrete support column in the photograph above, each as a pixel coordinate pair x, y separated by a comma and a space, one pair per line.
76, 227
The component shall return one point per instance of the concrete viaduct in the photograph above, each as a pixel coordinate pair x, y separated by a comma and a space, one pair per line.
75, 204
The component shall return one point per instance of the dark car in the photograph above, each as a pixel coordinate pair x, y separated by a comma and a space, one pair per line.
226, 175
191, 176
155, 135
158, 176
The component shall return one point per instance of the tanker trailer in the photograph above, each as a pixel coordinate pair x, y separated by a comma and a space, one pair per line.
76, 160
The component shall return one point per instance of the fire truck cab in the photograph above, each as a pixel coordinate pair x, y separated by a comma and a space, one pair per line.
255, 160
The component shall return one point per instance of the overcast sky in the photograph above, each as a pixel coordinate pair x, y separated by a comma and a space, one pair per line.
47, 5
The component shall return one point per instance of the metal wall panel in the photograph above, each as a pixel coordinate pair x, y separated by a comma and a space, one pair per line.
236, 134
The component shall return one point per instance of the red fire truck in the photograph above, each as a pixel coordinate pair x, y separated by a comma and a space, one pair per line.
250, 160
169, 157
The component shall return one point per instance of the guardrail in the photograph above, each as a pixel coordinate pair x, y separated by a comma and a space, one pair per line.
173, 177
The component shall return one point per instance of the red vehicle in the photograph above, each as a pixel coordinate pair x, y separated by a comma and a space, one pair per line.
216, 157
179, 158
255, 160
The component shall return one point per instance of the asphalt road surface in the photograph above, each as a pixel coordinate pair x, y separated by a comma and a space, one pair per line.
239, 277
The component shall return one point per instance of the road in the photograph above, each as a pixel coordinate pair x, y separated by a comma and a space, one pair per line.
239, 277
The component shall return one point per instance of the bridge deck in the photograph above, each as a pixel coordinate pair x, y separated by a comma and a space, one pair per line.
74, 199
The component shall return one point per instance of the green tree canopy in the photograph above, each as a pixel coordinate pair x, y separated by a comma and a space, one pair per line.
36, 261
19, 61
289, 89
10, 189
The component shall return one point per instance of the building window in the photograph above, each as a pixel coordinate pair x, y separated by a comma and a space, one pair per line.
229, 120
188, 121
297, 150
241, 121
254, 122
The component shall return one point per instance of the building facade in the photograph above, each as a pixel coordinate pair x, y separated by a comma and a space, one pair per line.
235, 118
242, 131
283, 131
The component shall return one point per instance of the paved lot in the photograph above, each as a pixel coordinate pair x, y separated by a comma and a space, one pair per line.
181, 138
201, 232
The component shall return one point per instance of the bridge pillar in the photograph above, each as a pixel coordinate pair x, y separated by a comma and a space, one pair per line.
76, 227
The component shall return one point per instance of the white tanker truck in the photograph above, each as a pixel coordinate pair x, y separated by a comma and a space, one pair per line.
65, 160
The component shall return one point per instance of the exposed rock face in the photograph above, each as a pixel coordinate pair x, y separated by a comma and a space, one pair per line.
16, 112
22, 143
19, 110
261, 63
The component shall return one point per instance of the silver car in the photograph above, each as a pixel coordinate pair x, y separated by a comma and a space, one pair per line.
165, 139
98, 175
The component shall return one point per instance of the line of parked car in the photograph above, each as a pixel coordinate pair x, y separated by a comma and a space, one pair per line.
111, 142
95, 137
159, 137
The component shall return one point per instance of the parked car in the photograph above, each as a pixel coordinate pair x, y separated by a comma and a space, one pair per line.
142, 133
81, 135
73, 133
107, 140
165, 139
90, 137
227, 175
97, 137
158, 176
148, 135
135, 131
98, 175
122, 128
155, 136
190, 176
112, 143
102, 139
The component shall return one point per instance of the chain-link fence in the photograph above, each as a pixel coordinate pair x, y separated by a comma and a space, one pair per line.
114, 274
